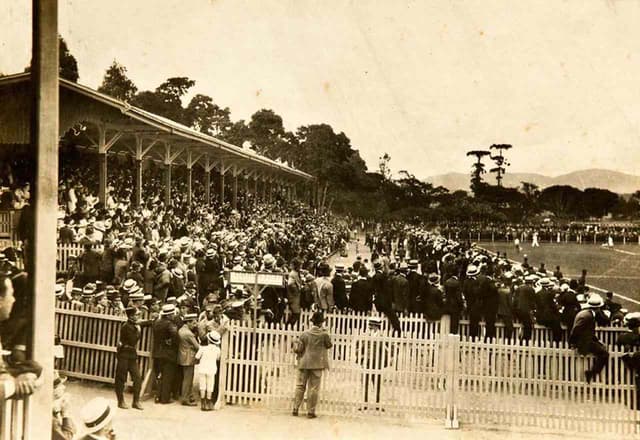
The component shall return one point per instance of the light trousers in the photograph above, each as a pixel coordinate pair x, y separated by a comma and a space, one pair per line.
308, 380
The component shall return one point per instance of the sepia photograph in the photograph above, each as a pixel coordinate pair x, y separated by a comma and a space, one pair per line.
338, 219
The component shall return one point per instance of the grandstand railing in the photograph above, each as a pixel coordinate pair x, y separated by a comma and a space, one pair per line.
14, 415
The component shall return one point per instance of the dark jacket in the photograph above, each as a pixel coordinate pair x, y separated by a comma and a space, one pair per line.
165, 340
360, 299
400, 287
453, 302
526, 299
339, 292
383, 297
416, 281
583, 331
129, 337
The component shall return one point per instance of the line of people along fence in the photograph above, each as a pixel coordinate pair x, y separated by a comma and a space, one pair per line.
539, 383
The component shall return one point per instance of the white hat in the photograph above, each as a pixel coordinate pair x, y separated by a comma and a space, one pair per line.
168, 309
177, 272
472, 270
97, 414
213, 337
374, 321
594, 301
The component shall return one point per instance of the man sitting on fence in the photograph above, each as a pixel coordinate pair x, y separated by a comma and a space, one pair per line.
583, 336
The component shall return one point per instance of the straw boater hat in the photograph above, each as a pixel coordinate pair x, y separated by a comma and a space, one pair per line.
136, 294
595, 301
177, 272
96, 414
210, 252
374, 322
168, 309
472, 270
89, 289
213, 337
129, 285
190, 317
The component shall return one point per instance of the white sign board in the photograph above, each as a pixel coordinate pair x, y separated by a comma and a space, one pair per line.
263, 278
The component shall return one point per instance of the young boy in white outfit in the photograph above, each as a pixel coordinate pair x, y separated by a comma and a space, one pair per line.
208, 355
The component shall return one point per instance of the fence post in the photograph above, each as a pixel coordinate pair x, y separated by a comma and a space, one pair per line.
451, 348
224, 360
445, 325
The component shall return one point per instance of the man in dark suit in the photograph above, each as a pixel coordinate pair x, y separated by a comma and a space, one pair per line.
453, 302
583, 336
339, 288
400, 286
526, 306
471, 291
127, 358
361, 299
489, 302
414, 287
383, 297
165, 336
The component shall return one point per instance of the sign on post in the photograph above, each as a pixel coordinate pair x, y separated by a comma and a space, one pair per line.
259, 280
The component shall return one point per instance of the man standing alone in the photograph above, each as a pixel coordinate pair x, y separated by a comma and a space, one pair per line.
311, 350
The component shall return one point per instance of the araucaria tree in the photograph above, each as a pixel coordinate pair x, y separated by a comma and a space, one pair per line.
477, 169
500, 160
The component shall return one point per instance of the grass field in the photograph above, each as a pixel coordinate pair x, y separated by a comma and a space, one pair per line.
616, 269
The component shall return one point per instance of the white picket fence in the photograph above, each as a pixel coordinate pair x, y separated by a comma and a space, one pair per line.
538, 385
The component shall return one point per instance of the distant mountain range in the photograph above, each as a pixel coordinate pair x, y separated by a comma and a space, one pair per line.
615, 181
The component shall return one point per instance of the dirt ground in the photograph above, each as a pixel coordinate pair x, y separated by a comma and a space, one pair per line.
173, 421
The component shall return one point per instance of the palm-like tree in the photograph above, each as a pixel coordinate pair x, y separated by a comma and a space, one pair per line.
477, 169
500, 161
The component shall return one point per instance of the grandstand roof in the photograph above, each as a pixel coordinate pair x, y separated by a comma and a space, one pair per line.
82, 104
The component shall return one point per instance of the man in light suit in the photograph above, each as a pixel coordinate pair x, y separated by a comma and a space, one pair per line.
311, 350
583, 336
187, 348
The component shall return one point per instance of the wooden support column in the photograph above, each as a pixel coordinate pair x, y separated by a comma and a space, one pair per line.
221, 187
169, 158
167, 183
256, 196
234, 196
246, 190
191, 160
103, 148
141, 151
270, 189
44, 139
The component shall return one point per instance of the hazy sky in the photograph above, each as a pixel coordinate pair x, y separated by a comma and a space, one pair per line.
424, 81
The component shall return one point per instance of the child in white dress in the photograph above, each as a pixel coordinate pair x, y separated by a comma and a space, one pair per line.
208, 356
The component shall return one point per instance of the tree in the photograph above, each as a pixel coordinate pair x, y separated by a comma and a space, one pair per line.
117, 84
237, 134
267, 133
166, 100
207, 117
500, 161
563, 200
599, 202
477, 169
383, 166
68, 66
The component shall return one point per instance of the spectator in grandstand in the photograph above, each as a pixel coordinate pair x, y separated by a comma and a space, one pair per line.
583, 336
311, 351
97, 416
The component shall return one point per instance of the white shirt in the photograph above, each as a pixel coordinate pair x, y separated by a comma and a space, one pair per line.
208, 355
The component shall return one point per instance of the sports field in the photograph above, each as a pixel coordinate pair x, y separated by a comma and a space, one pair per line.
616, 269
